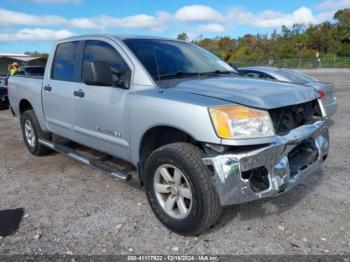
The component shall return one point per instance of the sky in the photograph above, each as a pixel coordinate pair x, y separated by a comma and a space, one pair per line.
33, 25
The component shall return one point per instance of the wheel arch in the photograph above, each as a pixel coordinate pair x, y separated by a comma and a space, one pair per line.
24, 105
156, 137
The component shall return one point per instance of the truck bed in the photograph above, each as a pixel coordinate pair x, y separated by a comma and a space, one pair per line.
21, 88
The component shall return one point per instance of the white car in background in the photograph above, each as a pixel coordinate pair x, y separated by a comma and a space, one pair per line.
325, 89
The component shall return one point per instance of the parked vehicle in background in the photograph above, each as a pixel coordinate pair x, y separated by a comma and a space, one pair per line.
4, 102
326, 90
23, 70
199, 136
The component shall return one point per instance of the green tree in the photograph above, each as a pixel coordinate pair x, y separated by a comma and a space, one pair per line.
182, 36
300, 41
342, 31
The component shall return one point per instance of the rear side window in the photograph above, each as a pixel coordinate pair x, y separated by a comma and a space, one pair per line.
37, 71
96, 50
64, 61
266, 76
256, 74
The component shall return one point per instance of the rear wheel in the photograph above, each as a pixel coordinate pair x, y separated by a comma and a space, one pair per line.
179, 189
32, 132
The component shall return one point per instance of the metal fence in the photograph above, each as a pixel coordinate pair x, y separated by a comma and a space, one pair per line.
332, 62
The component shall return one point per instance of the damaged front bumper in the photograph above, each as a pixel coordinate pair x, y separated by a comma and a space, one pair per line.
270, 170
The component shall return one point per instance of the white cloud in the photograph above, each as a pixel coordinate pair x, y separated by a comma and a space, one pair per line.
197, 13
8, 17
324, 16
333, 5
135, 21
75, 2
212, 28
272, 19
103, 22
191, 18
140, 21
329, 7
37, 34
84, 23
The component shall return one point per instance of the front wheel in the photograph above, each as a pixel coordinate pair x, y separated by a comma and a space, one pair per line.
179, 189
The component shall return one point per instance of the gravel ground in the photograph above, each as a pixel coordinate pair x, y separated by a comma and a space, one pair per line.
73, 209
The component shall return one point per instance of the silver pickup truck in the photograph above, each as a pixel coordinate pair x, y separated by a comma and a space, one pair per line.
199, 136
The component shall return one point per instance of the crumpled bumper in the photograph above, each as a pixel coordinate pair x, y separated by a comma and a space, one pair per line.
270, 170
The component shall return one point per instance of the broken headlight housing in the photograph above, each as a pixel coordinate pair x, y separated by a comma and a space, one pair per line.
241, 122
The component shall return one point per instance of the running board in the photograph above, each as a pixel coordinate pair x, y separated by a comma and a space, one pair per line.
95, 163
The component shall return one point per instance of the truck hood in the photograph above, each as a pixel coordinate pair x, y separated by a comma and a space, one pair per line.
250, 92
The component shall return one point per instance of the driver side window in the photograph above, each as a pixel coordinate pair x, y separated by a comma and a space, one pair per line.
96, 50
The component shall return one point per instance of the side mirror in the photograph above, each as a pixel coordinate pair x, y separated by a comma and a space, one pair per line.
97, 73
118, 72
121, 77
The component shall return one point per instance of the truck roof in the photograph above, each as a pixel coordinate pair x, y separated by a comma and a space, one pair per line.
120, 37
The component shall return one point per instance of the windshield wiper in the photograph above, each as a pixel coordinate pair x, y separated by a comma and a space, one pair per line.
186, 74
219, 72
178, 74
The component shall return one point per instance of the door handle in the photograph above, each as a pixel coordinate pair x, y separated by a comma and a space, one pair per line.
47, 88
79, 93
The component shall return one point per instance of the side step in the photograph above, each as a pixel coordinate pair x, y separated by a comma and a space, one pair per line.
95, 163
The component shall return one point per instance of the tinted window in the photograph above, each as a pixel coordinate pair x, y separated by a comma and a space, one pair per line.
252, 74
64, 62
101, 51
168, 57
38, 71
255, 74
266, 76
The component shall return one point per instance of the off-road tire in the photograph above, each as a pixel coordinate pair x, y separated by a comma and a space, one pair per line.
38, 149
206, 208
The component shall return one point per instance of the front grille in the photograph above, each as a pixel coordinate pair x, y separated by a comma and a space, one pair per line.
287, 118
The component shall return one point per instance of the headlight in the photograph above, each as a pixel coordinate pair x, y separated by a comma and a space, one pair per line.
239, 122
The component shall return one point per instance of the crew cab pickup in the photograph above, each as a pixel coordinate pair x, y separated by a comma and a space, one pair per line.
199, 136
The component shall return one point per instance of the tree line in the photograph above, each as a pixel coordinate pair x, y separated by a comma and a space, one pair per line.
324, 40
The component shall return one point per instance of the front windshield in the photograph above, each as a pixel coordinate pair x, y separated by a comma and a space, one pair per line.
296, 76
174, 58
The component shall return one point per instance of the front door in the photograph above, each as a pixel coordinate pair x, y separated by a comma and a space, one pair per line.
100, 114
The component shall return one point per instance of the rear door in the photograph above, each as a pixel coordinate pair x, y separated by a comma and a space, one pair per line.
100, 115
58, 86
